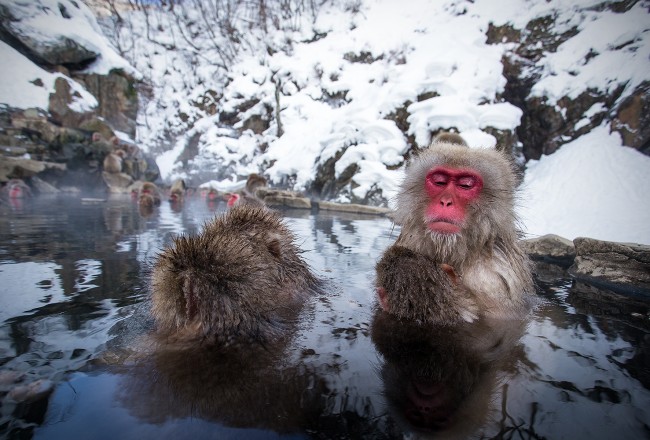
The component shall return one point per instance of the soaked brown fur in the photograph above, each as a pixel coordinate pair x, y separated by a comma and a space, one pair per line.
241, 279
418, 289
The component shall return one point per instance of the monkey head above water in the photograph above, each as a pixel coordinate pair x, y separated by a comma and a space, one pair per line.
456, 207
16, 189
242, 279
245, 198
177, 191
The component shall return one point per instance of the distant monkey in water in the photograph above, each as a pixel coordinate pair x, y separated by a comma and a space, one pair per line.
456, 210
248, 195
242, 279
177, 191
148, 197
254, 182
245, 198
16, 189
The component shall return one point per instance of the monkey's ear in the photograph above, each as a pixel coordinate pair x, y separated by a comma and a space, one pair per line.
450, 271
274, 247
383, 298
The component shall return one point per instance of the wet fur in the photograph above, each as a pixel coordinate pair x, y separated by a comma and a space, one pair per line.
421, 291
241, 279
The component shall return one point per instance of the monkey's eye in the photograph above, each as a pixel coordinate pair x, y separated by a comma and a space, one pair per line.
439, 179
467, 182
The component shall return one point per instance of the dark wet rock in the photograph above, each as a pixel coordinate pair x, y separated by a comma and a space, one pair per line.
258, 124
632, 119
117, 98
34, 121
598, 301
621, 266
363, 57
326, 184
551, 248
60, 106
31, 391
13, 151
546, 126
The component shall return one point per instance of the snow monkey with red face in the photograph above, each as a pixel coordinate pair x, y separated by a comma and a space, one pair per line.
458, 255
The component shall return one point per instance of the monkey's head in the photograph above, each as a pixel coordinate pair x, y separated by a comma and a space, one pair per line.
146, 200
455, 200
233, 199
176, 197
241, 279
245, 198
255, 181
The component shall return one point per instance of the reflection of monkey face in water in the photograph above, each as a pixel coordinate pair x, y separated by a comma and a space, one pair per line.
443, 379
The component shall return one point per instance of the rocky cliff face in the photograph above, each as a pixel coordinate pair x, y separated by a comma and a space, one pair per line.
64, 143
547, 125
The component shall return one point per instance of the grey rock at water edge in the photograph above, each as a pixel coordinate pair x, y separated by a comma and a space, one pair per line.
624, 266
289, 199
19, 168
551, 248
353, 207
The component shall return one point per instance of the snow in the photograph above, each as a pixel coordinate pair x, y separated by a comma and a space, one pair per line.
43, 20
430, 58
20, 88
587, 60
54, 20
591, 187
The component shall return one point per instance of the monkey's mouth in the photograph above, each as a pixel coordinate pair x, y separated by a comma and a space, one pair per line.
443, 226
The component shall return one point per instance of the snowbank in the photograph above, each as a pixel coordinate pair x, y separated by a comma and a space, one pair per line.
591, 187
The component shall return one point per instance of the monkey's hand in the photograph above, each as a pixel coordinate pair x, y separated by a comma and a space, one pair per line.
415, 287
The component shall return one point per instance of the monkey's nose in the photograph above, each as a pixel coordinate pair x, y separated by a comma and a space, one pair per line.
446, 202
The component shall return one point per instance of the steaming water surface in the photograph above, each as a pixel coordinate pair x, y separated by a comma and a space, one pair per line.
75, 362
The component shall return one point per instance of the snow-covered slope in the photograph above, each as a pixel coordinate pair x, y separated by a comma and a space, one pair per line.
337, 81
23, 84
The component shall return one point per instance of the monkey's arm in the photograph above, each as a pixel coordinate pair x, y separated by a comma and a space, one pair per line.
415, 287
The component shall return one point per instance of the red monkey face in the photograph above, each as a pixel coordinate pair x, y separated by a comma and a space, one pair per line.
234, 198
16, 192
450, 190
